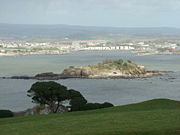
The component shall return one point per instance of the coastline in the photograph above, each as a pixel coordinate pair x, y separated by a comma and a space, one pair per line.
24, 54
157, 53
62, 53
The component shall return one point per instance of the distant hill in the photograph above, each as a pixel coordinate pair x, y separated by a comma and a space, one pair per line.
22, 31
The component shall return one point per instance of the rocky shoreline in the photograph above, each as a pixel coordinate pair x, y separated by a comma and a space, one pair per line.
108, 69
53, 76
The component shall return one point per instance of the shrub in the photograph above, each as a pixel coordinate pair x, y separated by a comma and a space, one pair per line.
6, 113
119, 62
125, 66
106, 105
92, 106
129, 61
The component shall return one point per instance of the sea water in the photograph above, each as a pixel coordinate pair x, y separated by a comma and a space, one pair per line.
13, 93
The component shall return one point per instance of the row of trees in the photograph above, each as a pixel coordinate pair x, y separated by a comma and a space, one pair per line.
54, 95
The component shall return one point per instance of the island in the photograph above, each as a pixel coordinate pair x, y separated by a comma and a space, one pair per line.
110, 69
113, 69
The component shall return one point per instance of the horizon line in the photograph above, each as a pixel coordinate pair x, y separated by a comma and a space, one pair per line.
92, 25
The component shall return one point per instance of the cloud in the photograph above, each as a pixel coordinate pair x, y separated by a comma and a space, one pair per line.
90, 11
118, 4
84, 5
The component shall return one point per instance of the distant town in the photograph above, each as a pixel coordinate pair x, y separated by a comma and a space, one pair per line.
146, 47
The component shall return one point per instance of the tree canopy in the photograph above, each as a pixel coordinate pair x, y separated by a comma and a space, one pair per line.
53, 94
49, 93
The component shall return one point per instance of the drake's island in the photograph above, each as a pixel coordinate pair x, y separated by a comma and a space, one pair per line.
114, 69
110, 69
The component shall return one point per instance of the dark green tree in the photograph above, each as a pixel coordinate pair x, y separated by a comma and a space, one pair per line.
77, 101
53, 94
49, 93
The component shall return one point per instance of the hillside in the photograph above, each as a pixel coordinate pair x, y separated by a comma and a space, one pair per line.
154, 117
27, 31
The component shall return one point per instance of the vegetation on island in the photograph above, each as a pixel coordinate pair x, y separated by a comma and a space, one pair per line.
154, 117
119, 64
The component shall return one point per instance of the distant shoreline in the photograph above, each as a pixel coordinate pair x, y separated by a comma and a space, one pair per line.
157, 53
136, 53
8, 55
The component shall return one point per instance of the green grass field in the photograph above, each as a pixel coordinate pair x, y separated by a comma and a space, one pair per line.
154, 117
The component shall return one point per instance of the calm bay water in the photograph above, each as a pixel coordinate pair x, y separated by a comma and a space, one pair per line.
119, 92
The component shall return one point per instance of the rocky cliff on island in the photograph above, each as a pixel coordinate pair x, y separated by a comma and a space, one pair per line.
114, 69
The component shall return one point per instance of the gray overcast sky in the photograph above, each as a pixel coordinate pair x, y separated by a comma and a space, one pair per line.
121, 13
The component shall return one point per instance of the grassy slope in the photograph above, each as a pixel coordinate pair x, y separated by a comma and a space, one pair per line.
155, 117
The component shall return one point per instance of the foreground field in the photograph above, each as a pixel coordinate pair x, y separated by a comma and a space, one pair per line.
155, 117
